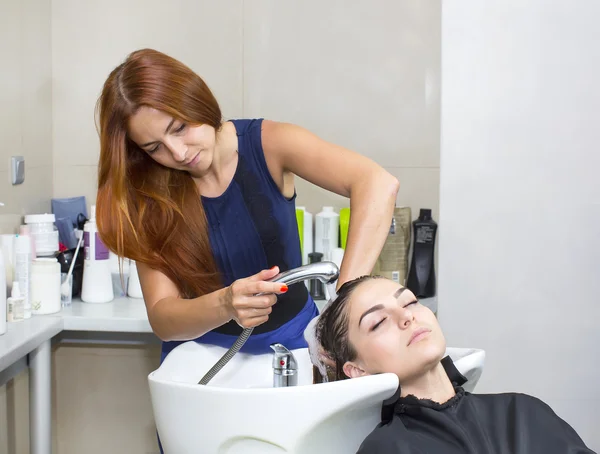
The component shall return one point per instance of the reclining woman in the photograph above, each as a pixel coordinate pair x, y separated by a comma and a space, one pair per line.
376, 326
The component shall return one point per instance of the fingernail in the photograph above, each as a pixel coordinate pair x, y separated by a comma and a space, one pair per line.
284, 288
272, 268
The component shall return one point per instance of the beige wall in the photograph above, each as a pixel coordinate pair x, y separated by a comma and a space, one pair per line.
25, 130
25, 106
90, 38
364, 76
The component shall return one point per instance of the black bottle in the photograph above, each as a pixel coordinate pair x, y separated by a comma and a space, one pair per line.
316, 289
421, 277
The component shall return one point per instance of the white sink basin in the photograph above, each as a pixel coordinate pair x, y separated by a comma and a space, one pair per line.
239, 412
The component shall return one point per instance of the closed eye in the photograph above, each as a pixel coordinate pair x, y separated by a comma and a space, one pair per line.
411, 303
153, 149
378, 324
180, 128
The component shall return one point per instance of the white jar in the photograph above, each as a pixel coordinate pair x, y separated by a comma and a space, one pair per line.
45, 286
44, 232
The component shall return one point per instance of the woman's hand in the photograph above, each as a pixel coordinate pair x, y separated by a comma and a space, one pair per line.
249, 301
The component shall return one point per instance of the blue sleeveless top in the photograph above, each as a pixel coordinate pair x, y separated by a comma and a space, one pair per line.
253, 227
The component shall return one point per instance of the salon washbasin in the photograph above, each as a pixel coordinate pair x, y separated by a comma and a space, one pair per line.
239, 411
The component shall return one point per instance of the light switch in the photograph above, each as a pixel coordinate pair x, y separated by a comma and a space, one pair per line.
18, 169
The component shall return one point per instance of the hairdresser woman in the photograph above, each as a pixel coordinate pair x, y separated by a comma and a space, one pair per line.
206, 207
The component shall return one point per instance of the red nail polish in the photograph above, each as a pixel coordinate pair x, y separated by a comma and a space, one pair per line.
284, 288
272, 268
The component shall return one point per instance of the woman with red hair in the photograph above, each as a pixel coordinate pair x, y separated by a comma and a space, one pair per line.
206, 207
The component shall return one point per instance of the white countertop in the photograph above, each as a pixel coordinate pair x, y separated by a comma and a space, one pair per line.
122, 315
25, 336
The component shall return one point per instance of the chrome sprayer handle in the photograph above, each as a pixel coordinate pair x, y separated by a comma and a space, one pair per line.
326, 272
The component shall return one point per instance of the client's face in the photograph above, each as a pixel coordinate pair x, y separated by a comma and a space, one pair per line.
391, 332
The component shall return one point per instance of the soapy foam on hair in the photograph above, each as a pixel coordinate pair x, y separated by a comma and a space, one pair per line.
310, 334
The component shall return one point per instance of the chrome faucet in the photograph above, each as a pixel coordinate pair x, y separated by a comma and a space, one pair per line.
285, 367
326, 272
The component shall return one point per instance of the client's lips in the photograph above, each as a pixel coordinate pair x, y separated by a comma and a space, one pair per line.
193, 161
419, 334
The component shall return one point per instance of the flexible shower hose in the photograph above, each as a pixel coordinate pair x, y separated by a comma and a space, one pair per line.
326, 272
239, 343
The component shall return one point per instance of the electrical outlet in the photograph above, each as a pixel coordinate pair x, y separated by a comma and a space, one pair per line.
18, 169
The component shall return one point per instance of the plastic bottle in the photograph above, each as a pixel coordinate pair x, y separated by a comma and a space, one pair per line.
317, 290
421, 278
25, 230
15, 304
120, 274
344, 226
327, 232
307, 235
8, 250
23, 270
392, 262
3, 302
337, 256
134, 289
97, 280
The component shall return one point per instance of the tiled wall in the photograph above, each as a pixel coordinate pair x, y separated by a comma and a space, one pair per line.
25, 130
365, 76
25, 107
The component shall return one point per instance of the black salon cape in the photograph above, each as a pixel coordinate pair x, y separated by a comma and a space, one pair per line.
471, 424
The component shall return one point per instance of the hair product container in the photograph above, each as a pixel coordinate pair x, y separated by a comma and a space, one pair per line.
44, 232
134, 289
23, 270
421, 277
45, 286
3, 303
307, 235
327, 232
97, 284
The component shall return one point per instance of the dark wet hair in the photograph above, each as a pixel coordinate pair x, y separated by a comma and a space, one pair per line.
332, 328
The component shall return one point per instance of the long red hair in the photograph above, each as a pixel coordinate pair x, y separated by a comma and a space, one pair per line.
145, 211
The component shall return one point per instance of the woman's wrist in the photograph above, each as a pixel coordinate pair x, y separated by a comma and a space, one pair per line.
224, 298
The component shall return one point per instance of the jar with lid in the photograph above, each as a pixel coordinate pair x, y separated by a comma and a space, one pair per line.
44, 232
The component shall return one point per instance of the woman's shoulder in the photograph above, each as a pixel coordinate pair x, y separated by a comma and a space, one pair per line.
508, 396
244, 125
513, 401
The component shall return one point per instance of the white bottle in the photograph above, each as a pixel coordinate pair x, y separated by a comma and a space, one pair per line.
97, 280
134, 289
3, 303
327, 232
119, 270
307, 242
337, 256
15, 304
8, 250
23, 270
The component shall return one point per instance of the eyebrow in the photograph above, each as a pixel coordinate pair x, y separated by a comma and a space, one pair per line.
377, 307
399, 292
166, 132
